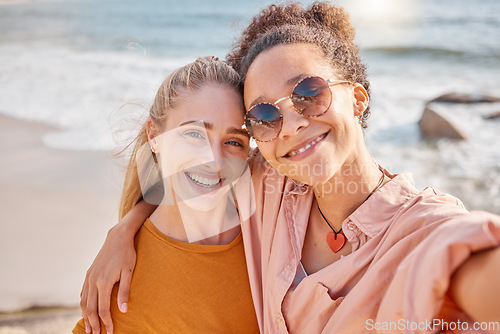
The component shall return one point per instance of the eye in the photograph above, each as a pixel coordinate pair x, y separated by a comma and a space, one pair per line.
194, 134
234, 143
237, 144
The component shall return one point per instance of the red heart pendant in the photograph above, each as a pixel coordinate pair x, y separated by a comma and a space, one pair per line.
335, 242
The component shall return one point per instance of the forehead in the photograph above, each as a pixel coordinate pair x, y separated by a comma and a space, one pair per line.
270, 74
213, 103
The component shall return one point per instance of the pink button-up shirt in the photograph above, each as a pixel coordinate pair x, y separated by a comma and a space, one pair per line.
405, 246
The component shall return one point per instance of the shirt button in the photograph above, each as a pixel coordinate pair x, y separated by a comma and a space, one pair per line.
351, 226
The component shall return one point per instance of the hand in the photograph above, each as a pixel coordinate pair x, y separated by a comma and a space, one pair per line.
114, 263
474, 286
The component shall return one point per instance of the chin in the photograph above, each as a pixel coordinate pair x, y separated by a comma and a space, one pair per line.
207, 202
312, 173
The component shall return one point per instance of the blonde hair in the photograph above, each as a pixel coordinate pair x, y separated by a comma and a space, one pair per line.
189, 78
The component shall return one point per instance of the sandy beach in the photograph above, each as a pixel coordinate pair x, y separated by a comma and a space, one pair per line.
40, 321
55, 209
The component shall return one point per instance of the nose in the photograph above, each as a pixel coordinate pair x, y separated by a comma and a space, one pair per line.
293, 122
218, 155
213, 157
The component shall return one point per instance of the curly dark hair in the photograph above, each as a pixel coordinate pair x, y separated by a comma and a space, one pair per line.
321, 24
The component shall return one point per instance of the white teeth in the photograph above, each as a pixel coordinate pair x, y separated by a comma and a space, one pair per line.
202, 180
308, 146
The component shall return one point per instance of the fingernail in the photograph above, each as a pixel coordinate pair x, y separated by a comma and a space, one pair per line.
87, 330
123, 308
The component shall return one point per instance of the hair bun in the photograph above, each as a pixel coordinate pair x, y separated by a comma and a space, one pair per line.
211, 58
320, 15
334, 19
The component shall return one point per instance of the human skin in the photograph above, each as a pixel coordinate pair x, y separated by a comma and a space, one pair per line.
272, 76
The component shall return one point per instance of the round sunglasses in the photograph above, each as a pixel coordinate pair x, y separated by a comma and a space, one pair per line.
310, 97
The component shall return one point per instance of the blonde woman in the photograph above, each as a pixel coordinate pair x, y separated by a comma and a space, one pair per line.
190, 275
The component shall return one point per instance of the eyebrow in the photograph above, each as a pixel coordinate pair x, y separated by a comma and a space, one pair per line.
236, 131
297, 78
289, 82
207, 125
210, 126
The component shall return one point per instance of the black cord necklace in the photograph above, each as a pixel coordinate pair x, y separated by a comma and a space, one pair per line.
336, 240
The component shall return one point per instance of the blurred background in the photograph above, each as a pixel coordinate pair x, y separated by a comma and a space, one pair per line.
77, 77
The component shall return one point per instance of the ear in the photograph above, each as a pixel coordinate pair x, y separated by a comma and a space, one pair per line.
153, 131
361, 99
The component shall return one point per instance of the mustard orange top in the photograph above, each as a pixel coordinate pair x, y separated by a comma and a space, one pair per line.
179, 287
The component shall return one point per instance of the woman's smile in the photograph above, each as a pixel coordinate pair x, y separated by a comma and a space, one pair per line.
306, 148
204, 181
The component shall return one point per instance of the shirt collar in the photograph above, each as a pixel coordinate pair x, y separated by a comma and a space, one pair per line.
374, 215
296, 187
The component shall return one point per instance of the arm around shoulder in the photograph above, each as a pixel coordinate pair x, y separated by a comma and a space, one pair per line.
115, 262
133, 220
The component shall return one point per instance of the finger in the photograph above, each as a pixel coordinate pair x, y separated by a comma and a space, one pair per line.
92, 310
124, 290
88, 328
83, 305
83, 295
104, 302
84, 286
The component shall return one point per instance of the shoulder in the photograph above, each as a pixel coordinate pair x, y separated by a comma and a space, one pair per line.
433, 203
436, 216
399, 209
424, 207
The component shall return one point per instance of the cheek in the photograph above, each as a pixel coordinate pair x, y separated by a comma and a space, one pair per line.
171, 160
182, 156
244, 155
342, 111
268, 151
238, 152
340, 121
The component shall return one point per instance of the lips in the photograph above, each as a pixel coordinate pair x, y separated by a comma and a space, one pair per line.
207, 181
305, 146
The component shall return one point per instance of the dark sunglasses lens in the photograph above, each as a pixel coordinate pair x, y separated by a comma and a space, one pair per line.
312, 96
263, 121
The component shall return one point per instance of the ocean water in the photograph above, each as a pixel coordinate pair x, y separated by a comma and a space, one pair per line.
92, 68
